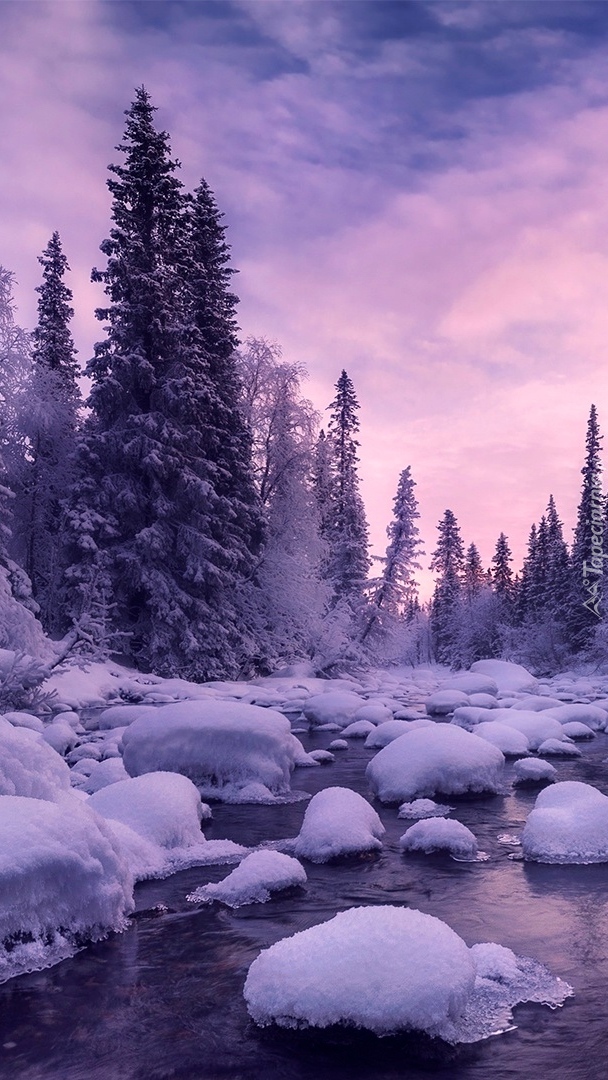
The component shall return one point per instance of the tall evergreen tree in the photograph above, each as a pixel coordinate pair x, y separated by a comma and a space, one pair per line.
474, 577
396, 591
348, 558
588, 595
152, 521
448, 563
502, 575
50, 424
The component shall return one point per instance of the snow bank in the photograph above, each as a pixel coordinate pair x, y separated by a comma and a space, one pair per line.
442, 759
507, 676
439, 834
29, 766
390, 969
253, 880
338, 821
63, 880
223, 747
569, 824
382, 968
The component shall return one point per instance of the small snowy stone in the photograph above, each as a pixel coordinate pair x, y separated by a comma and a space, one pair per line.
569, 824
559, 748
438, 834
423, 808
253, 880
360, 729
338, 744
534, 771
443, 702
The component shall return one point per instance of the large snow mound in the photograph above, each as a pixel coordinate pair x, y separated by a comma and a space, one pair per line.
382, 968
29, 766
253, 880
389, 969
63, 880
435, 760
569, 824
338, 821
391, 729
223, 747
507, 676
591, 715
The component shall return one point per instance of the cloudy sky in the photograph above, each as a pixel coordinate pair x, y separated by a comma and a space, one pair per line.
415, 191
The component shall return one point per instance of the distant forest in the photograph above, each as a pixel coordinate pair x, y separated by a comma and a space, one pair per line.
192, 517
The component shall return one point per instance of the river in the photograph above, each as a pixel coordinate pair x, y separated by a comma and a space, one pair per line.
164, 999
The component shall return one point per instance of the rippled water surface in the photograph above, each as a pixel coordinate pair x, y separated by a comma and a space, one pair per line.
164, 999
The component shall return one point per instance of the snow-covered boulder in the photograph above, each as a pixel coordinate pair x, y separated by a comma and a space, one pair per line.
559, 748
574, 730
101, 774
253, 880
332, 707
483, 701
391, 730
384, 968
338, 821
359, 729
509, 740
569, 824
591, 715
443, 702
536, 703
388, 969
440, 834
376, 712
419, 809
468, 716
471, 682
534, 771
338, 744
435, 760
60, 736
536, 726
24, 720
123, 715
63, 879
223, 747
507, 676
29, 766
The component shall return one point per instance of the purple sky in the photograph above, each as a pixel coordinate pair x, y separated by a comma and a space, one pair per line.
416, 192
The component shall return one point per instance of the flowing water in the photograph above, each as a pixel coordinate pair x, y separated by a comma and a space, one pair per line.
164, 999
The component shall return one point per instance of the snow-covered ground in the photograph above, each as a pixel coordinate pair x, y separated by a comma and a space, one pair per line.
107, 790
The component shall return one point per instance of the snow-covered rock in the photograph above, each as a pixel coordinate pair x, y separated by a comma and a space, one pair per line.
419, 809
388, 969
381, 968
559, 748
253, 880
591, 715
536, 703
376, 712
574, 730
101, 774
24, 720
332, 707
29, 766
534, 771
443, 702
338, 821
442, 759
223, 747
536, 726
392, 729
359, 729
60, 736
507, 676
338, 744
569, 824
471, 682
123, 715
509, 740
440, 834
63, 879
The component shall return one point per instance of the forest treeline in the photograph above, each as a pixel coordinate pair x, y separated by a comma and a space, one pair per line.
192, 516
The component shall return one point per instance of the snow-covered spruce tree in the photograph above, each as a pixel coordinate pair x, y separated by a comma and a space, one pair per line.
448, 563
50, 421
292, 597
502, 575
395, 593
152, 517
588, 594
347, 531
474, 576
